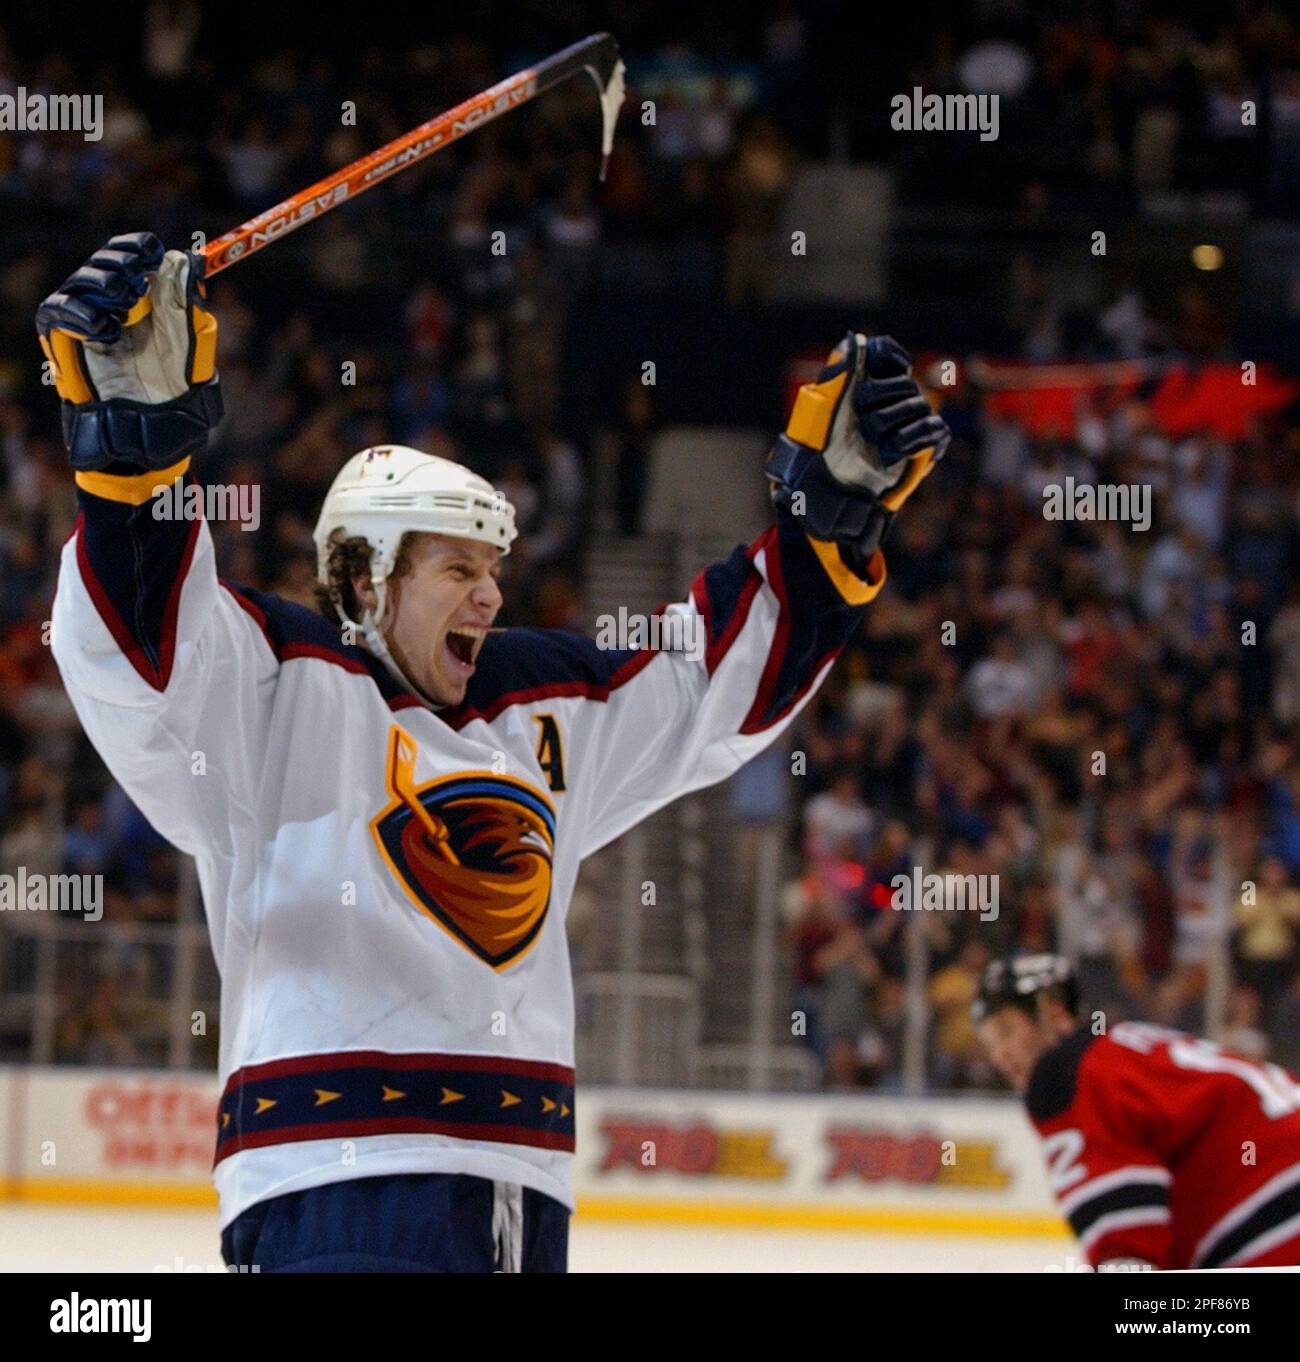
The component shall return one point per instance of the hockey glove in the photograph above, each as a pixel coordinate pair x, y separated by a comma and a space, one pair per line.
133, 352
859, 442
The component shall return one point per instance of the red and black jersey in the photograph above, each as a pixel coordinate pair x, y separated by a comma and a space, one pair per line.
1163, 1147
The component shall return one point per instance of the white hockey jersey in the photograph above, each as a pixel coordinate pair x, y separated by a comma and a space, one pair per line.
396, 1000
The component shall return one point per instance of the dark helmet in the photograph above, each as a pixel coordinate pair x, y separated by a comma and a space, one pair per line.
1017, 980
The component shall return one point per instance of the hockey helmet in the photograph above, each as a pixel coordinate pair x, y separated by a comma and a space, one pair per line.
384, 491
1017, 980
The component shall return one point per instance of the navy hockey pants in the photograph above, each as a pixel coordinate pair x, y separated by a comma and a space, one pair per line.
410, 1222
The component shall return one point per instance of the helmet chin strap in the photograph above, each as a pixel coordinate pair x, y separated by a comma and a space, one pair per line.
377, 645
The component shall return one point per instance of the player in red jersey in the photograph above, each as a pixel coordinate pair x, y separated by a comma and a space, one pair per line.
1161, 1148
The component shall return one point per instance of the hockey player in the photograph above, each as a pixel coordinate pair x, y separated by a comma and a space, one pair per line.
1162, 1149
388, 810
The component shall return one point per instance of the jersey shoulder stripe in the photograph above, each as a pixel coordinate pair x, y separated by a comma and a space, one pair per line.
139, 607
1055, 1078
293, 631
723, 594
816, 622
519, 666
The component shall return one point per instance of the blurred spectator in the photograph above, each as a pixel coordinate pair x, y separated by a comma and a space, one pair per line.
1268, 922
1243, 1034
952, 991
1000, 684
837, 821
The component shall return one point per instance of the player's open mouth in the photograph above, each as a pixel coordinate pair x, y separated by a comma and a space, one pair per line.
463, 644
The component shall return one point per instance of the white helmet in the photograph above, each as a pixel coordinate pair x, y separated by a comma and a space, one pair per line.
387, 490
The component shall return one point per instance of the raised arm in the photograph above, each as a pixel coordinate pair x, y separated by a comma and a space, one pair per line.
758, 632
169, 674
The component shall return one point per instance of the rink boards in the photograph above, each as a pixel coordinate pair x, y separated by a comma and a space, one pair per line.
863, 1162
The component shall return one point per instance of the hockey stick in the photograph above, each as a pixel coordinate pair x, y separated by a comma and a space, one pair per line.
597, 55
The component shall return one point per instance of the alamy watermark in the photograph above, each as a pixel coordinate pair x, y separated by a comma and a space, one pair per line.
675, 631
919, 112
76, 1314
237, 502
27, 111
1126, 502
951, 893
27, 892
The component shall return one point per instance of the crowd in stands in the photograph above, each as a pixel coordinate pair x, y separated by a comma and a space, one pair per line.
1109, 106
1099, 718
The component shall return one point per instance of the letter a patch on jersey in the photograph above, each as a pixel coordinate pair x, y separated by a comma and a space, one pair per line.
550, 751
472, 850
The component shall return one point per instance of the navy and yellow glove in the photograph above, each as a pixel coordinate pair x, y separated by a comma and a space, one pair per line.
859, 442
133, 351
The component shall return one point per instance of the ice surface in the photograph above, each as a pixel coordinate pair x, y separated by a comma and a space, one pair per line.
36, 1238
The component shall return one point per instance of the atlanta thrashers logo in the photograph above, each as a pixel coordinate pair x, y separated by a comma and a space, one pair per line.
472, 850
